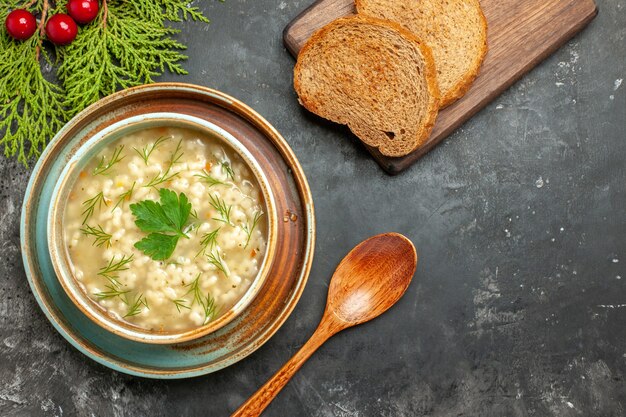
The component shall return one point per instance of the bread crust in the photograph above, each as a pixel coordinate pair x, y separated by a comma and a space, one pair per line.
429, 71
461, 88
464, 84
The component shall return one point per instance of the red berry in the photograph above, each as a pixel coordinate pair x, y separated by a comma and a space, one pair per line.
83, 11
61, 29
21, 24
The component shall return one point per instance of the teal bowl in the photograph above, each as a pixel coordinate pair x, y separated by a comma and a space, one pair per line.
60, 195
276, 296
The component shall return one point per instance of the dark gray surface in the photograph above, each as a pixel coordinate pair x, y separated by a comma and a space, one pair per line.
518, 307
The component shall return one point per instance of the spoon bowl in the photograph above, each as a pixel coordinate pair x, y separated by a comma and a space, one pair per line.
371, 278
367, 282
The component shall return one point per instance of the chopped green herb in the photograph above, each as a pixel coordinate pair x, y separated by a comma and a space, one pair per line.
101, 237
127, 195
206, 177
226, 168
208, 241
163, 177
158, 246
216, 260
111, 293
147, 150
103, 166
248, 228
209, 307
110, 271
222, 208
207, 303
91, 204
194, 288
165, 222
177, 154
136, 306
181, 303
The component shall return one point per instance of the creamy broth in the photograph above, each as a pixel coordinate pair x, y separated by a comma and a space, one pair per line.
219, 248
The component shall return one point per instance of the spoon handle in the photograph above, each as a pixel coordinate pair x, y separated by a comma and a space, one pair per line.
264, 396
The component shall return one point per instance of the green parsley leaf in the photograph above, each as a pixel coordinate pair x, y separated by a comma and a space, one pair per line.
164, 222
158, 246
176, 208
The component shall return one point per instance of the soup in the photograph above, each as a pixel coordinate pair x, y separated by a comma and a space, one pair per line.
166, 229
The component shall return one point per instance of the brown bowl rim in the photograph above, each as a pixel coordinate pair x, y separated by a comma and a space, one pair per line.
62, 262
41, 290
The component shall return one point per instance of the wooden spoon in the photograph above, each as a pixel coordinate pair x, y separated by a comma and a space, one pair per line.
367, 282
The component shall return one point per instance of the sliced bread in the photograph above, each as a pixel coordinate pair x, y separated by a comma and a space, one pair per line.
455, 30
373, 76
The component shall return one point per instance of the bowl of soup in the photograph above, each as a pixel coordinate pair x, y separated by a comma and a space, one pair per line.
162, 227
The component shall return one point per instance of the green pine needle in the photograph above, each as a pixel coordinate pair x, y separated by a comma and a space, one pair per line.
31, 108
130, 43
125, 50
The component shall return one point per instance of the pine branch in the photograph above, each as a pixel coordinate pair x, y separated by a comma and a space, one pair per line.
120, 49
171, 10
59, 6
31, 108
128, 44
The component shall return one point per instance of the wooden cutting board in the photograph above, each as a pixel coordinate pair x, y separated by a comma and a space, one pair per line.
522, 33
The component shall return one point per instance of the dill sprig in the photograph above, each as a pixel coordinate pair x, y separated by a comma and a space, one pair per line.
209, 307
104, 166
222, 208
127, 195
162, 177
194, 288
181, 303
216, 260
248, 228
226, 168
206, 177
177, 154
136, 306
111, 271
111, 292
147, 150
208, 241
100, 236
91, 204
